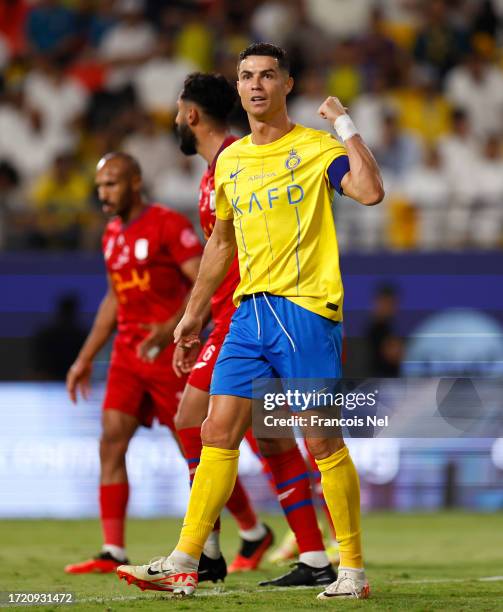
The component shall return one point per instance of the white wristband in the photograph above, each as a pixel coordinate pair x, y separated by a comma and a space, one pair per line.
345, 127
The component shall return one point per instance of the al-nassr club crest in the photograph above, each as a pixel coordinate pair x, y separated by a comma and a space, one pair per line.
293, 160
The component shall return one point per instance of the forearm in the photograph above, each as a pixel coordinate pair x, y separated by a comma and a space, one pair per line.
363, 182
215, 263
103, 327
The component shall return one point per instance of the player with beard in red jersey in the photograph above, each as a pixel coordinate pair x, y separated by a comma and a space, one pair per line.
203, 109
152, 256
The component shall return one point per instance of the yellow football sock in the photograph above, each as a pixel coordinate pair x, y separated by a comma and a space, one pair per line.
341, 488
213, 484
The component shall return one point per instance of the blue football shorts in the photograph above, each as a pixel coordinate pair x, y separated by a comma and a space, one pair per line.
271, 337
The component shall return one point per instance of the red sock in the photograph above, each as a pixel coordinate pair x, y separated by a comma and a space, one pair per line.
315, 473
190, 439
239, 503
266, 470
113, 504
294, 494
240, 507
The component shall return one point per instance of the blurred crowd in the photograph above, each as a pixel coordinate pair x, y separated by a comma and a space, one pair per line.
423, 81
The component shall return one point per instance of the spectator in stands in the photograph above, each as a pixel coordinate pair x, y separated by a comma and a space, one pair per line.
52, 29
179, 183
398, 150
127, 44
379, 54
486, 224
13, 16
159, 80
427, 188
274, 21
384, 345
439, 43
311, 88
60, 205
345, 79
476, 86
195, 41
349, 20
60, 100
151, 146
370, 107
25, 140
422, 108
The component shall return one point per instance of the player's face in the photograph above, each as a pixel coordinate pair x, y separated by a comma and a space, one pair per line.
186, 137
115, 188
263, 86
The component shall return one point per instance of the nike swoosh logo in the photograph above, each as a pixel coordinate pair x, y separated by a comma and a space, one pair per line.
234, 174
286, 494
151, 573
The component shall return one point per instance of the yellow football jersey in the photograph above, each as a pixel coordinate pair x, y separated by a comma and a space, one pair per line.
280, 198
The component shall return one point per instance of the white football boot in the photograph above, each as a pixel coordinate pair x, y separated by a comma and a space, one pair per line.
160, 574
350, 584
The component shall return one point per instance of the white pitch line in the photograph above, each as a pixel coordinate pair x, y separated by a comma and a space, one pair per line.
449, 580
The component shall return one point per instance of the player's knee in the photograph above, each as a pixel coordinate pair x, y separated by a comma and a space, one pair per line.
184, 419
321, 448
113, 445
213, 434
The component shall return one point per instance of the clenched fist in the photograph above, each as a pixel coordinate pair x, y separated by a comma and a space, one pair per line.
331, 109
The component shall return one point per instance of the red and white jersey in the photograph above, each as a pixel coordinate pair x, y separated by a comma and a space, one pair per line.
143, 259
222, 307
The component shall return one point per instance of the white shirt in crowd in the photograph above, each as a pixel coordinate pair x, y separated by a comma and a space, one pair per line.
159, 81
481, 99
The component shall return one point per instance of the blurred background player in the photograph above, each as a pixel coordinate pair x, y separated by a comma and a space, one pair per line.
203, 109
152, 256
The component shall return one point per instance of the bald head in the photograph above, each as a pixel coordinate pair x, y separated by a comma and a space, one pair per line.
127, 163
119, 183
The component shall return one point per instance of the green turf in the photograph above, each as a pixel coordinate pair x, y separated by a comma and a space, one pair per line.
452, 550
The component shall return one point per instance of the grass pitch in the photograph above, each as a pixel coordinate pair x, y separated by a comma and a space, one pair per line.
415, 562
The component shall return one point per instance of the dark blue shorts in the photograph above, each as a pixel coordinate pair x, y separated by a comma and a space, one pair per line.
271, 337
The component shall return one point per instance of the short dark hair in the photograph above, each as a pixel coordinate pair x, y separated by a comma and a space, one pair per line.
269, 50
212, 92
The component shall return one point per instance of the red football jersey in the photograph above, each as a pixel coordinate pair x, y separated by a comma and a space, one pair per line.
222, 307
143, 260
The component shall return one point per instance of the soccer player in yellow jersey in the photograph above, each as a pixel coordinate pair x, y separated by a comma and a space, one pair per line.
274, 190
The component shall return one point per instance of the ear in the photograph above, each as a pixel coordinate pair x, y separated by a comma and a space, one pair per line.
193, 116
289, 85
137, 183
238, 87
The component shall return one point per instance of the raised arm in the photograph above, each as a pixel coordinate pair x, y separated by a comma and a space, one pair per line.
79, 374
215, 263
363, 181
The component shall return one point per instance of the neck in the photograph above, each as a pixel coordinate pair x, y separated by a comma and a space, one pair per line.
134, 212
209, 143
265, 131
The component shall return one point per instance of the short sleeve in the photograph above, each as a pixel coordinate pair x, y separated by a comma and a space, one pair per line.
180, 238
330, 150
223, 208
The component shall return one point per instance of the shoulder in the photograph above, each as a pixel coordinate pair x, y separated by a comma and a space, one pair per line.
319, 141
112, 227
233, 149
165, 214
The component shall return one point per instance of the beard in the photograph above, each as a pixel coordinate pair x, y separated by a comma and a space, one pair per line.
186, 139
